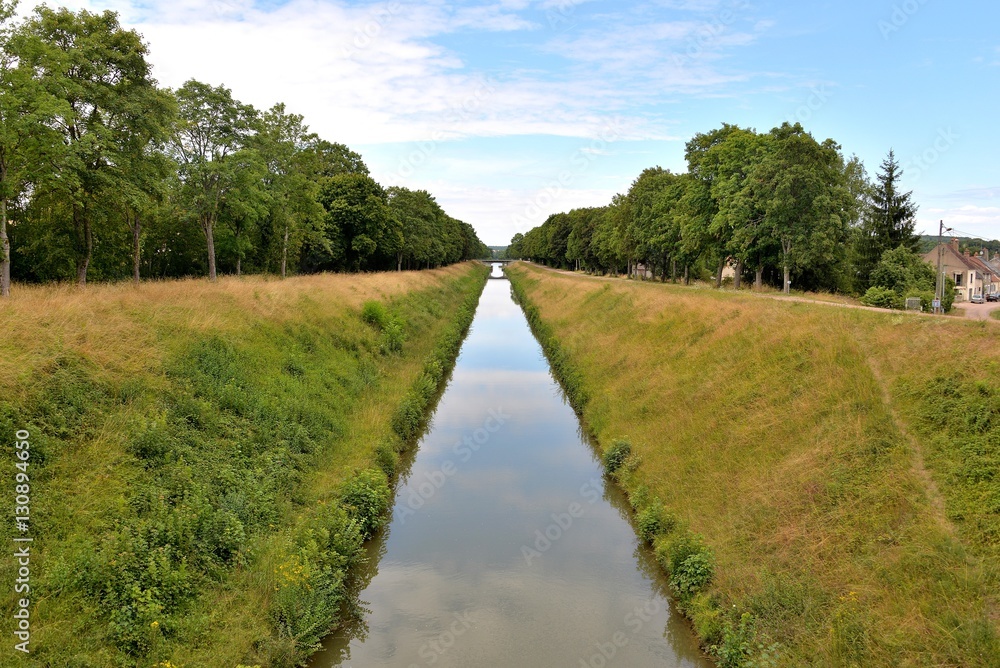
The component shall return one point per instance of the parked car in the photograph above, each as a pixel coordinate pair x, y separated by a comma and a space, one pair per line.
993, 297
977, 299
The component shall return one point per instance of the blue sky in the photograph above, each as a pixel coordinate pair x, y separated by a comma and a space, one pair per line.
510, 110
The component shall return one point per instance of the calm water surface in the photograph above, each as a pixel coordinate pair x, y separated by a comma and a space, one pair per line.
505, 548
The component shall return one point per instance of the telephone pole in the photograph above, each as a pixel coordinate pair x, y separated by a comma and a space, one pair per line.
940, 283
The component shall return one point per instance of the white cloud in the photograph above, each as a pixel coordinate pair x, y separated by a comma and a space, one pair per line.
967, 220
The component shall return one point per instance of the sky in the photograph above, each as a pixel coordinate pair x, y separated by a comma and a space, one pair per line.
510, 110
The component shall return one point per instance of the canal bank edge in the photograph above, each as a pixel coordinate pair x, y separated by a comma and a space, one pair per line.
884, 579
229, 417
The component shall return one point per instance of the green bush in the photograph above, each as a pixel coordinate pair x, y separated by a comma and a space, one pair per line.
653, 520
392, 338
693, 574
375, 314
367, 497
616, 455
882, 298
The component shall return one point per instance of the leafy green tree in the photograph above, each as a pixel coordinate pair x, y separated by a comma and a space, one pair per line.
290, 154
888, 220
418, 216
111, 105
800, 187
358, 220
25, 130
212, 128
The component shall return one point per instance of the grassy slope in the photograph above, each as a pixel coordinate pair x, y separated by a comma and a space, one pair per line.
842, 465
186, 413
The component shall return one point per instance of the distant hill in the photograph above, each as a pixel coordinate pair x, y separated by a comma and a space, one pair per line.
929, 241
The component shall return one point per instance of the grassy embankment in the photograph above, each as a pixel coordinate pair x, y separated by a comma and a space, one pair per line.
206, 460
822, 484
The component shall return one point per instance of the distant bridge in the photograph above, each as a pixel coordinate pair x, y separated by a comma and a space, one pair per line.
485, 261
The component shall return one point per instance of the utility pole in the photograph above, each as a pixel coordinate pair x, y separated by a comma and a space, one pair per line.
940, 283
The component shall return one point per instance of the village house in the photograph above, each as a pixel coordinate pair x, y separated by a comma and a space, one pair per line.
973, 274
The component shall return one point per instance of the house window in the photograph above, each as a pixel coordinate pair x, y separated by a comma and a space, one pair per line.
958, 280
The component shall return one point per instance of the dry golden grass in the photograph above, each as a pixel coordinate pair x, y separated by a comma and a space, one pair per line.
782, 432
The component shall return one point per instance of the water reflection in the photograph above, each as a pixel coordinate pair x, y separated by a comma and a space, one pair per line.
505, 548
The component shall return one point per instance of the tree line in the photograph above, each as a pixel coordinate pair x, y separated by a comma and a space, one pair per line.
106, 175
780, 207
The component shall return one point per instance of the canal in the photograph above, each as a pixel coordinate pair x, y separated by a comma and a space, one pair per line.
506, 547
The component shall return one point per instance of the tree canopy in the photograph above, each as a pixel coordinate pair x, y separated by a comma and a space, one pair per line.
106, 175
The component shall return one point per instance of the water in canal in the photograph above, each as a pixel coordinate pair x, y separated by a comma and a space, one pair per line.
505, 547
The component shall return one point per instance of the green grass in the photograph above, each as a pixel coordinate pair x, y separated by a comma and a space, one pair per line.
207, 460
821, 484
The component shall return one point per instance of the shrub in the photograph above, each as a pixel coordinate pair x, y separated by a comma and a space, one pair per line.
653, 520
375, 314
367, 497
392, 338
616, 455
882, 298
692, 574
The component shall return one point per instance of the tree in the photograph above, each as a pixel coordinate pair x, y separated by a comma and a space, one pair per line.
888, 220
290, 154
111, 104
359, 223
24, 112
418, 215
211, 129
799, 185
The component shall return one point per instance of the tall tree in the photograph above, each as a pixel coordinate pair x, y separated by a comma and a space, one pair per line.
100, 72
800, 187
888, 220
359, 223
292, 180
211, 129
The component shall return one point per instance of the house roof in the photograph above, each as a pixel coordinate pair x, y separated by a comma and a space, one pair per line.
968, 261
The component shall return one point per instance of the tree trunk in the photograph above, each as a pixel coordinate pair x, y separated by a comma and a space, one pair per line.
206, 227
239, 265
5, 260
687, 276
786, 248
83, 260
673, 270
284, 253
399, 261
738, 279
718, 274
758, 281
136, 226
